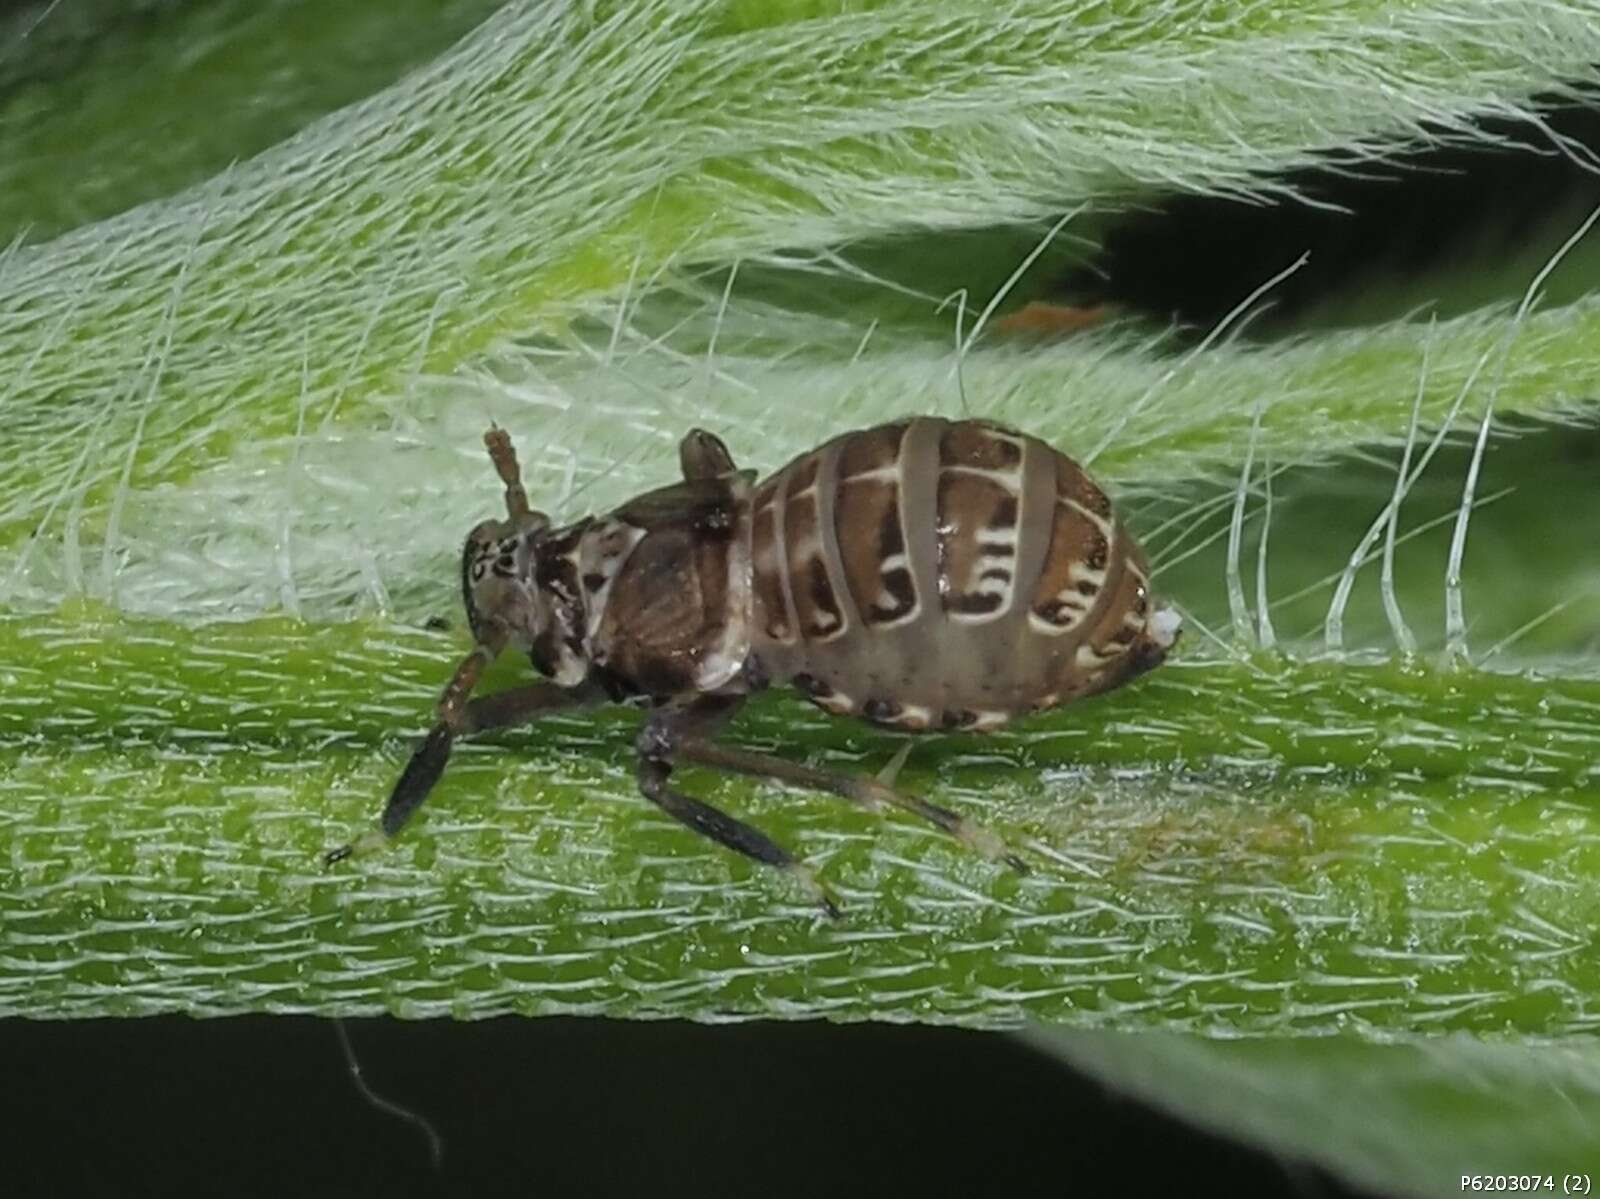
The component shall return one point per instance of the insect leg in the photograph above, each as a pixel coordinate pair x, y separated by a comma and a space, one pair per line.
657, 745
427, 763
870, 793
519, 705
524, 705
458, 717
703, 456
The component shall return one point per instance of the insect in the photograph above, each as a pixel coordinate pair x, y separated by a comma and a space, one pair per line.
923, 575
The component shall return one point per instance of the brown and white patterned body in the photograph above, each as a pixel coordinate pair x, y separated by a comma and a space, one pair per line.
947, 574
926, 574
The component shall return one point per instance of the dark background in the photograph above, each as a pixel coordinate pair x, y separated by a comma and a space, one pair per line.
266, 1105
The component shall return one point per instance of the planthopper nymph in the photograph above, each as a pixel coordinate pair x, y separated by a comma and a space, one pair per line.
922, 575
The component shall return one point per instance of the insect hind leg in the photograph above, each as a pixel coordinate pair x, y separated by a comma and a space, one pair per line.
657, 745
873, 794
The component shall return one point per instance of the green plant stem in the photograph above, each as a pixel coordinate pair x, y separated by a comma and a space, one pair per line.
1226, 846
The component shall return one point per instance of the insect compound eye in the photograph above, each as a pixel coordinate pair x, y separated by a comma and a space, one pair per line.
473, 568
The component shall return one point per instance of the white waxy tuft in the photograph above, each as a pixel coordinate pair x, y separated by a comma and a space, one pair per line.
1164, 626
836, 702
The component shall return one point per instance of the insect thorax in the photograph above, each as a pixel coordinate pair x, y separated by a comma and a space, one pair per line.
653, 598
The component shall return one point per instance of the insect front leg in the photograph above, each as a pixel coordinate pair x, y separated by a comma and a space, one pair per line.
457, 718
658, 743
872, 794
523, 705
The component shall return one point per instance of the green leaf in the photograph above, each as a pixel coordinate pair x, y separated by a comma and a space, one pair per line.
105, 104
559, 152
1419, 1116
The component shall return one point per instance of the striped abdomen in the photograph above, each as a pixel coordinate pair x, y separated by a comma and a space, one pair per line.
939, 574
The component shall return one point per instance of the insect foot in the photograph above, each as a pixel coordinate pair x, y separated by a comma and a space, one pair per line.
363, 844
984, 841
979, 838
813, 887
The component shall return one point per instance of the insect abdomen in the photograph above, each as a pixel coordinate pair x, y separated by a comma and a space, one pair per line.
939, 574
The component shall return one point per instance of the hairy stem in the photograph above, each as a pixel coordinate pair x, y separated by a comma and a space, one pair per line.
1249, 846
